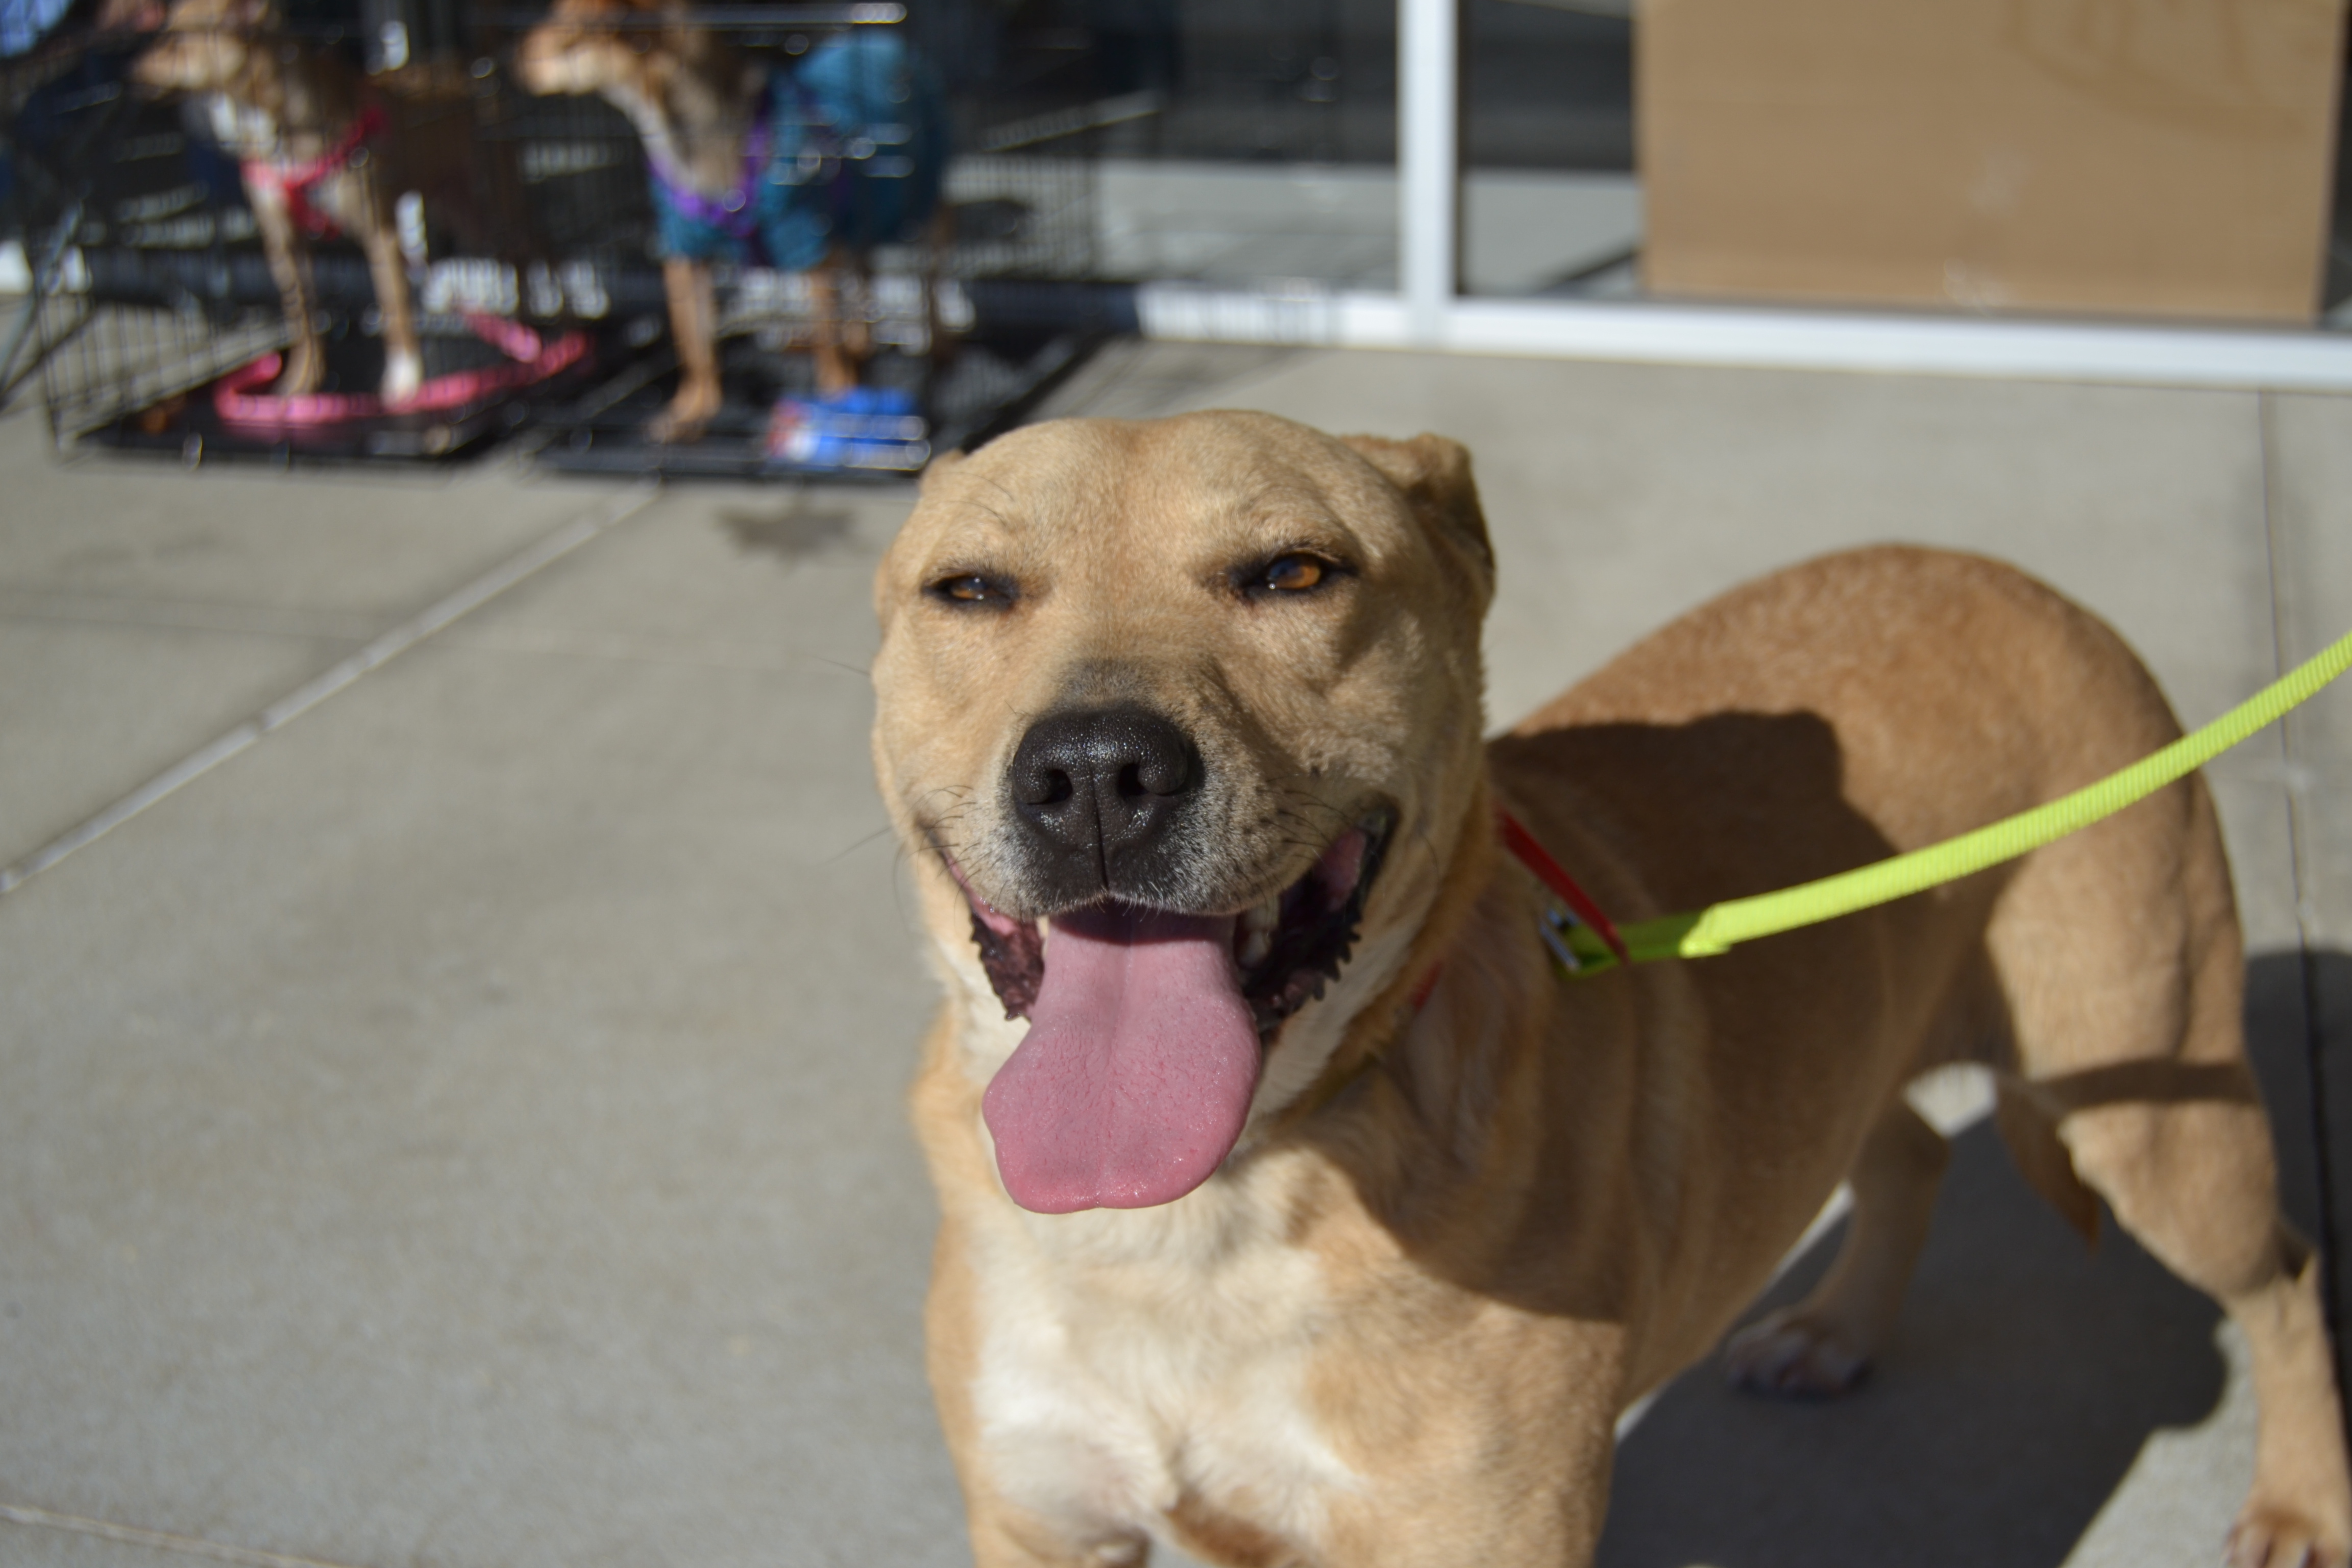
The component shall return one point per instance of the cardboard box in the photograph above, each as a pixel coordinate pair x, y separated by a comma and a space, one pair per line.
2148, 157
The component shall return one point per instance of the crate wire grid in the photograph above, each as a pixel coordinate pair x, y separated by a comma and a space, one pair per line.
164, 288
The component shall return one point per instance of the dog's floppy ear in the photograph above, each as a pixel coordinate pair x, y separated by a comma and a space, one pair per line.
1434, 475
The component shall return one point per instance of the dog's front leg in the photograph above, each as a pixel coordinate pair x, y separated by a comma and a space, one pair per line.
1825, 1343
1030, 1500
1004, 1534
1477, 1433
694, 327
289, 268
403, 361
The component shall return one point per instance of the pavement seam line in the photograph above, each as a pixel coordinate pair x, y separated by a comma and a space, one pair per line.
2314, 1026
553, 547
180, 616
161, 1540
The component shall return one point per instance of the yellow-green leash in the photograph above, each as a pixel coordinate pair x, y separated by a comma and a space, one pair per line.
1718, 927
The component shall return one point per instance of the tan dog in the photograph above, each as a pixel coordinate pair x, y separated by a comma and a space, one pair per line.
1304, 1216
287, 105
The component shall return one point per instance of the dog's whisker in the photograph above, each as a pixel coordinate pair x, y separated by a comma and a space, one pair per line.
858, 844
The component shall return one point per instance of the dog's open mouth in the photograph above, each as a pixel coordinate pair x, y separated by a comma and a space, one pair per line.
1147, 1028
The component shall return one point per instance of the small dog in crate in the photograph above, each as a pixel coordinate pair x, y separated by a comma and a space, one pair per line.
321, 155
806, 169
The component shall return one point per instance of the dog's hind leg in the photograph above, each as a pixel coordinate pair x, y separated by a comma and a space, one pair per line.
1823, 1345
2120, 954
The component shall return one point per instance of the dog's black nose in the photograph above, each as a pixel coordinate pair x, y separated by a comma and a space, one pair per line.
1100, 789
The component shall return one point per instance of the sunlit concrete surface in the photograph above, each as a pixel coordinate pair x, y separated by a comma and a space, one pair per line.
463, 1129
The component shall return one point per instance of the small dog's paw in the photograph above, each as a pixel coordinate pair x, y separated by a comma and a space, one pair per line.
403, 375
1791, 1353
2269, 1536
687, 417
304, 371
668, 428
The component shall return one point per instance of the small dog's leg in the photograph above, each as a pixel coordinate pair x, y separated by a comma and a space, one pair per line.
857, 331
403, 361
694, 327
1824, 1343
836, 355
289, 268
939, 247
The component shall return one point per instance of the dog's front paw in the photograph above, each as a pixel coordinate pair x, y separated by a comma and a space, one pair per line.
2269, 1535
1793, 1352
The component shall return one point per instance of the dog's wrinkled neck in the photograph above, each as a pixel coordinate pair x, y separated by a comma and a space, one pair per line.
1374, 1028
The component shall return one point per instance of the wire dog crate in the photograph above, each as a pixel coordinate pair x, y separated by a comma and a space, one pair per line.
155, 309
157, 312
1013, 205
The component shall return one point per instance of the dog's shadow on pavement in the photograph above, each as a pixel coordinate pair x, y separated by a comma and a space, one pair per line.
791, 533
2025, 1376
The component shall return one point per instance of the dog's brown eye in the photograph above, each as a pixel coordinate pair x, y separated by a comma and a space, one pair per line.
1294, 573
971, 589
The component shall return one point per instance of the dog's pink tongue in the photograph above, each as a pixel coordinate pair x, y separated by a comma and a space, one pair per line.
1138, 1069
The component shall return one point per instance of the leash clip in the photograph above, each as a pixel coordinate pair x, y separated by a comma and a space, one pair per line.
1553, 926
1563, 887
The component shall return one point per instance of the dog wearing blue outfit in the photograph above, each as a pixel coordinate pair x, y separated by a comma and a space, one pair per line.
804, 169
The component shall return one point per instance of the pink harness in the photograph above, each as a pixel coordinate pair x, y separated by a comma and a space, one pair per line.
535, 360
292, 181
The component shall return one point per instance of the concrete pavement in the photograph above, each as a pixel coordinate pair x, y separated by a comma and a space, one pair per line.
463, 1129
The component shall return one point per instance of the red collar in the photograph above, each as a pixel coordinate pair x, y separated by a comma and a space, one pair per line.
1549, 872
1532, 855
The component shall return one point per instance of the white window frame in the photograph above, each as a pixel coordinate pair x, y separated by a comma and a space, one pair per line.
1429, 311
